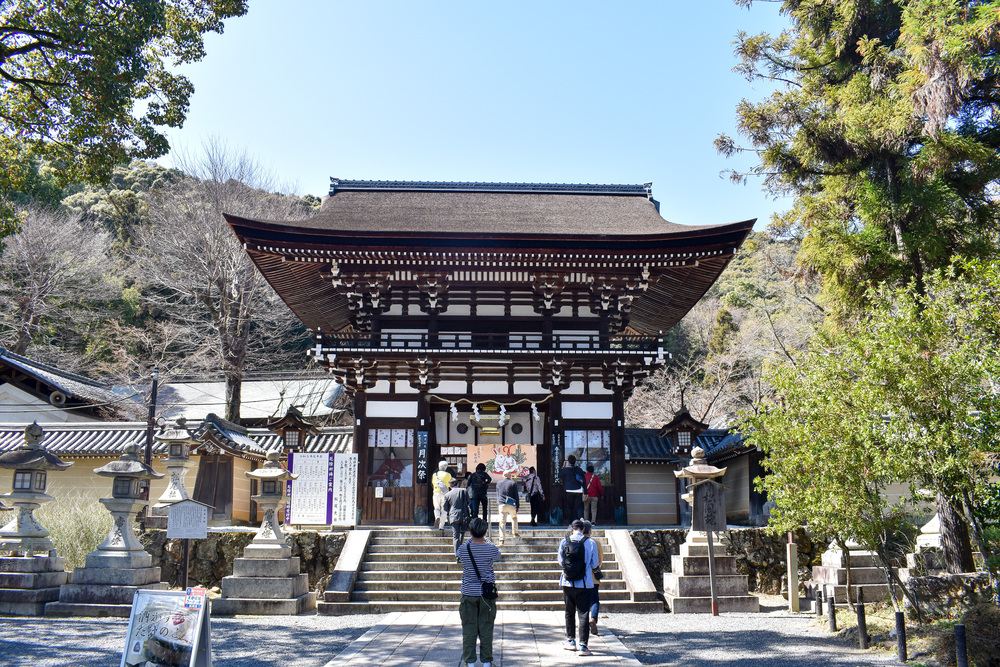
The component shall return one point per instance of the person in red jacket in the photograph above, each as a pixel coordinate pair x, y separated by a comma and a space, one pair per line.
592, 492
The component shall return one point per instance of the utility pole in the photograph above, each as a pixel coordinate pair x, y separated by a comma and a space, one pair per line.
148, 454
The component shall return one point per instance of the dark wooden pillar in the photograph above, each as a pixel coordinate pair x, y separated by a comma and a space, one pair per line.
618, 497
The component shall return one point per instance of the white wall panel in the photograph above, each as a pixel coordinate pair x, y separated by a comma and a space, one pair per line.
401, 409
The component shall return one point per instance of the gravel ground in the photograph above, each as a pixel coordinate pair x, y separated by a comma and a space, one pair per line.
773, 638
236, 642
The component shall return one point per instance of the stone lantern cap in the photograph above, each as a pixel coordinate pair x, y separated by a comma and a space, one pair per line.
129, 465
699, 468
31, 455
271, 471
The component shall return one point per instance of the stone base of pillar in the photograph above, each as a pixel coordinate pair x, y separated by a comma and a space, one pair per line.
106, 585
264, 587
688, 590
27, 583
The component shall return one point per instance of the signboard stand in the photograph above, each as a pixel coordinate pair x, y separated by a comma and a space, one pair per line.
187, 520
170, 628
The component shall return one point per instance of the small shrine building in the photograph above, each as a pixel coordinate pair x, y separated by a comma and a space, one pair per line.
487, 322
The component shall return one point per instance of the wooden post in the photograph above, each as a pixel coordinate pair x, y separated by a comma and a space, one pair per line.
961, 650
187, 553
900, 636
862, 626
818, 596
793, 574
831, 610
711, 574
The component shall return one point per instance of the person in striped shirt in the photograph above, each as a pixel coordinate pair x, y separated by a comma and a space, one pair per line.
476, 612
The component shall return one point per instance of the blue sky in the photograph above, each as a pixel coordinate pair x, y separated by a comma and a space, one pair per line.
543, 91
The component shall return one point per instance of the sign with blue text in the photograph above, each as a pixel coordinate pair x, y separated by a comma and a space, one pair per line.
170, 628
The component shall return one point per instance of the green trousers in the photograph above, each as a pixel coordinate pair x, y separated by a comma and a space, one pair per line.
477, 617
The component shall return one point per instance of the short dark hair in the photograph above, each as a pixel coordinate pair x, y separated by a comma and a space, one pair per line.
590, 467
577, 525
455, 481
478, 527
587, 527
481, 467
531, 469
571, 459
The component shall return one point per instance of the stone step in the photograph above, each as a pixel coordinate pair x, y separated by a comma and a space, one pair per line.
429, 532
32, 579
447, 575
456, 585
553, 593
449, 557
703, 605
511, 547
344, 608
697, 586
445, 539
698, 566
259, 607
870, 592
81, 609
838, 575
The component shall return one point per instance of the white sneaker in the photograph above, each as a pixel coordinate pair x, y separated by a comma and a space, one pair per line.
569, 644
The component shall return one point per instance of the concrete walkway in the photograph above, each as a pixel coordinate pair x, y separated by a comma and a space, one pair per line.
434, 638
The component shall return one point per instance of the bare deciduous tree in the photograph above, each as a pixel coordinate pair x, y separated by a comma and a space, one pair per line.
192, 267
53, 273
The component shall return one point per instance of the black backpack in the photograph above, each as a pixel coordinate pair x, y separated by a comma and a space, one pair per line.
574, 558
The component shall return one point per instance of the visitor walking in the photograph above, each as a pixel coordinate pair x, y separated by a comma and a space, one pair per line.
533, 487
476, 611
595, 595
577, 556
572, 478
456, 508
509, 503
440, 483
592, 493
479, 486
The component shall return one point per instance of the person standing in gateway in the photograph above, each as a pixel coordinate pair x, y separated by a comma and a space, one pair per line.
477, 613
572, 479
440, 483
455, 509
508, 503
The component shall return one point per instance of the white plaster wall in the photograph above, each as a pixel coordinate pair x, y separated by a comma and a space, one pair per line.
579, 410
18, 407
400, 409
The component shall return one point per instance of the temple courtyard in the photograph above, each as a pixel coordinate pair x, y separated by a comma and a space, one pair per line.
774, 638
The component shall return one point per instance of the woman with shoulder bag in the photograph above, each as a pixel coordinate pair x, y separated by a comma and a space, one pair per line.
595, 595
533, 487
478, 608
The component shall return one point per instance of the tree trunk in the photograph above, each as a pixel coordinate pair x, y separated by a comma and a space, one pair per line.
234, 391
954, 538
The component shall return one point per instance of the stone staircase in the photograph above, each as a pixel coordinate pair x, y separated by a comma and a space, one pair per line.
866, 577
414, 569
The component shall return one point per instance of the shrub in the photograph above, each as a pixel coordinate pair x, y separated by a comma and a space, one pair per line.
76, 526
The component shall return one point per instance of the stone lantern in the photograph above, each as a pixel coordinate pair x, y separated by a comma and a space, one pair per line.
699, 470
125, 502
30, 463
179, 441
267, 580
269, 542
119, 566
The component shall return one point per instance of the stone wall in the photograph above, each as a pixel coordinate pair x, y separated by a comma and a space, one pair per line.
759, 555
949, 595
211, 559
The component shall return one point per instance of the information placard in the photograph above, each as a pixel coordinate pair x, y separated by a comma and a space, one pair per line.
344, 505
187, 519
310, 494
170, 628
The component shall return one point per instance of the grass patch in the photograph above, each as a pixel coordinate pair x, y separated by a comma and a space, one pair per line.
76, 526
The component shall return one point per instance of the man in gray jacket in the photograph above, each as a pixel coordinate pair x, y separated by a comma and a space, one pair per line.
457, 507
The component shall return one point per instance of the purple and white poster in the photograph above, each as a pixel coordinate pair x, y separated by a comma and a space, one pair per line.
310, 496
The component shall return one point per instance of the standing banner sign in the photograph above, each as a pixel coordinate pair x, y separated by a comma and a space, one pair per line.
422, 457
344, 490
169, 628
310, 496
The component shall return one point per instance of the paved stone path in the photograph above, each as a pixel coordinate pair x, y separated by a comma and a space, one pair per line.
434, 639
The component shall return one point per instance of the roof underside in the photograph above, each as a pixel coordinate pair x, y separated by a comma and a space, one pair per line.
553, 226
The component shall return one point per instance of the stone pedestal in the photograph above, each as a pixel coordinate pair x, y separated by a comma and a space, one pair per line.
688, 589
107, 583
266, 581
27, 583
928, 559
866, 577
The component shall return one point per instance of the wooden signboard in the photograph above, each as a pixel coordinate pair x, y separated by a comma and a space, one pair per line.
169, 628
709, 506
187, 519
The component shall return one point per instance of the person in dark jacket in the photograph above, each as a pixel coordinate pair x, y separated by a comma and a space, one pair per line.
533, 487
572, 479
456, 508
479, 486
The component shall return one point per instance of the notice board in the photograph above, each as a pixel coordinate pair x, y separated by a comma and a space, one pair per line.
171, 628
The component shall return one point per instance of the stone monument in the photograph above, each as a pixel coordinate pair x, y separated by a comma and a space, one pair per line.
119, 566
266, 580
688, 587
867, 578
31, 572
